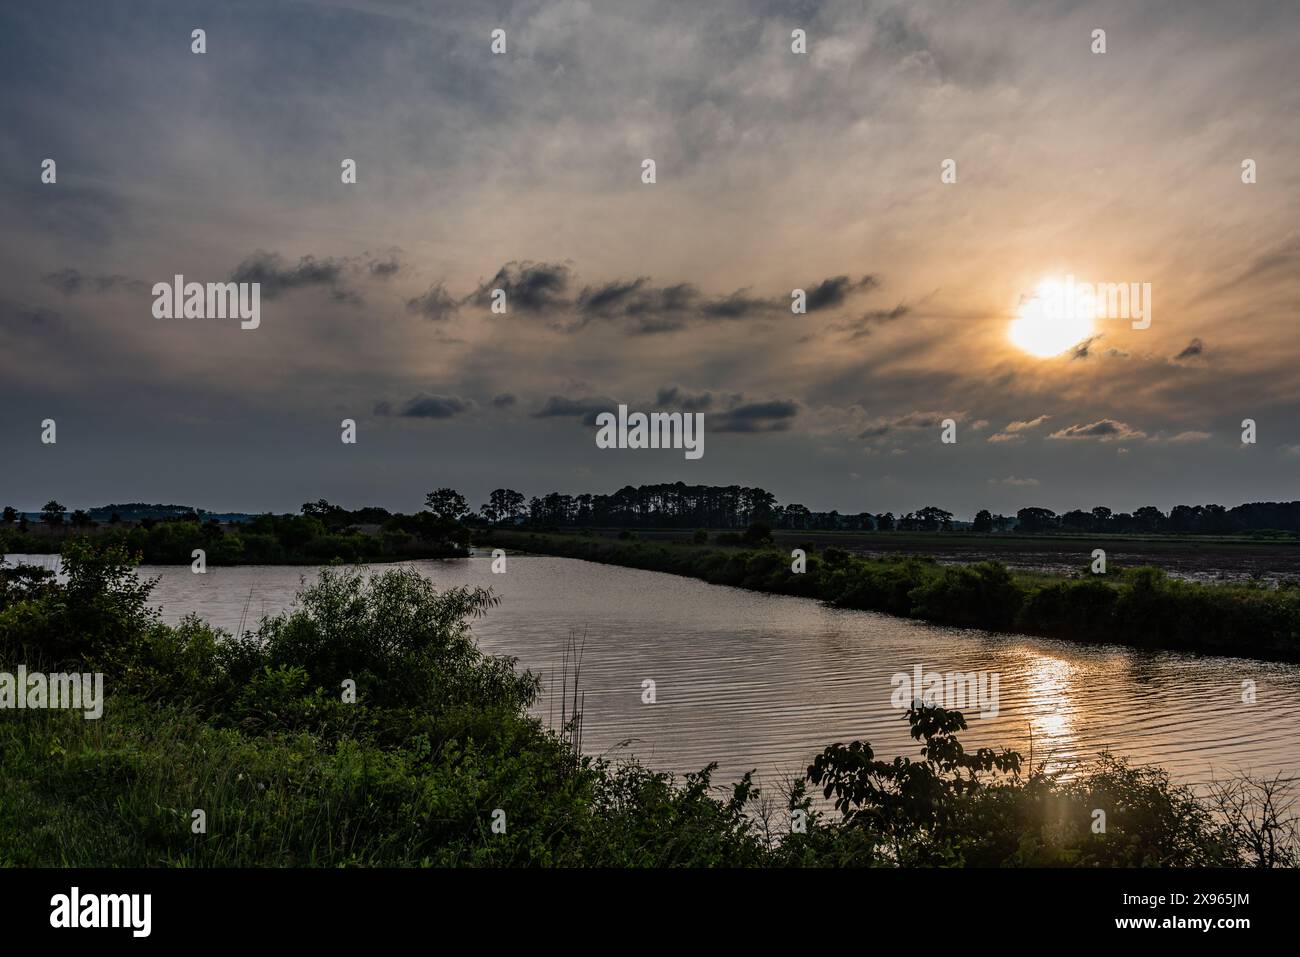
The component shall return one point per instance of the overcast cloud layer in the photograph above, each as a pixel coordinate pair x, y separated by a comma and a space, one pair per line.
523, 172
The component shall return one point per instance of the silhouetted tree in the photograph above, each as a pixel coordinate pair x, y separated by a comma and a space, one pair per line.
447, 504
1034, 520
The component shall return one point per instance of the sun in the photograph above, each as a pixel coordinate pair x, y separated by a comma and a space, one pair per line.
1049, 323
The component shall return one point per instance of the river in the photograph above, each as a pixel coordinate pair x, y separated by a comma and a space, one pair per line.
764, 681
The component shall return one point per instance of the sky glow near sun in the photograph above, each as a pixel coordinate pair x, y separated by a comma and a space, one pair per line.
475, 171
1044, 331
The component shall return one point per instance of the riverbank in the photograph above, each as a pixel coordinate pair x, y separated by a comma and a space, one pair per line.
365, 728
1140, 607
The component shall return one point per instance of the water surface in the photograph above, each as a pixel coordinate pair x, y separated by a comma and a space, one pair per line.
764, 681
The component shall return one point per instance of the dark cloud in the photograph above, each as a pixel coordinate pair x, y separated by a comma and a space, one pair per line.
586, 409
612, 297
425, 406
70, 282
275, 277
910, 421
652, 309
384, 268
1083, 349
771, 416
529, 287
1103, 430
1194, 350
738, 306
435, 304
504, 401
659, 309
1014, 431
672, 396
834, 291
664, 301
868, 321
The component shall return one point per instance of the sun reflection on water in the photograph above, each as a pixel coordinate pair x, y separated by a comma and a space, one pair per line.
1053, 717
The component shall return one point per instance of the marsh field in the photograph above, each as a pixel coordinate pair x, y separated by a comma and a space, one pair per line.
1204, 558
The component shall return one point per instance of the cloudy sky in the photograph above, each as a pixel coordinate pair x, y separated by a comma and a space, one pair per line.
523, 171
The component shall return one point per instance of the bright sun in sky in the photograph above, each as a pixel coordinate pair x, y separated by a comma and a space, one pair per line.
1047, 325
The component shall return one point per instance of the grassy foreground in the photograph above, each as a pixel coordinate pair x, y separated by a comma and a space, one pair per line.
438, 762
1141, 607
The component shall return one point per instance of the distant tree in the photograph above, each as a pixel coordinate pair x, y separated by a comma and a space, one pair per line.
10, 515
447, 504
797, 516
1214, 519
885, 521
1150, 518
1077, 520
81, 519
933, 519
826, 521
762, 505
1183, 518
1101, 518
1033, 520
114, 519
333, 517
504, 505
983, 521
52, 513
758, 534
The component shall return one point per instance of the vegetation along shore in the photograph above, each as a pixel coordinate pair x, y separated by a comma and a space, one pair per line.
364, 728
1142, 607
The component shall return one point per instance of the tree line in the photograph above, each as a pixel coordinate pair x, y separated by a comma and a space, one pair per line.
679, 505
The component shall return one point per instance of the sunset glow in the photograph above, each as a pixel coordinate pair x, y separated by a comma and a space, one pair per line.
1043, 332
